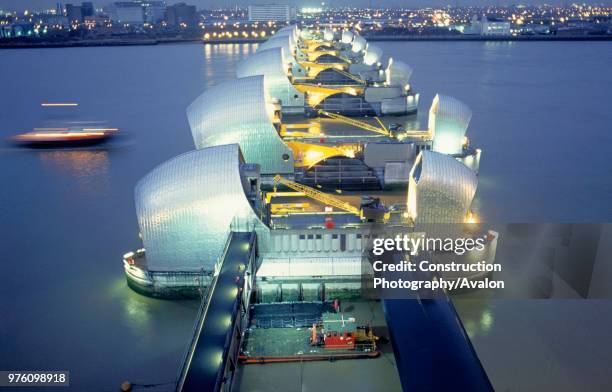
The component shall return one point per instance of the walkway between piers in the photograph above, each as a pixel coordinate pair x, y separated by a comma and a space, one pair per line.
212, 356
432, 349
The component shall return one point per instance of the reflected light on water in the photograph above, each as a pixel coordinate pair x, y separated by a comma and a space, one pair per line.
478, 327
216, 359
486, 321
88, 167
136, 307
234, 52
476, 315
208, 52
470, 328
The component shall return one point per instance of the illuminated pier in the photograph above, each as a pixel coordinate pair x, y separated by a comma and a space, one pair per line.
308, 155
249, 143
293, 111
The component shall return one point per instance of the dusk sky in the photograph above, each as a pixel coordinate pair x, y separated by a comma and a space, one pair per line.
203, 4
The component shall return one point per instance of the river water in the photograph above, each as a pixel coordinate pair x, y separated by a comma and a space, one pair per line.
541, 116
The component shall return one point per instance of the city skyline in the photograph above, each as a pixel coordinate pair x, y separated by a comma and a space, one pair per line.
20, 5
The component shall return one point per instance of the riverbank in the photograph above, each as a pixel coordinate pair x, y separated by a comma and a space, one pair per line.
94, 42
159, 41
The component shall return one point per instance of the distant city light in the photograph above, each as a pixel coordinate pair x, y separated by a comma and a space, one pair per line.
311, 10
186, 22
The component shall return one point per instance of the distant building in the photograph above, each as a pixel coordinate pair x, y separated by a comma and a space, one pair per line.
87, 9
55, 20
154, 11
127, 12
74, 13
16, 30
180, 13
137, 12
271, 12
6, 31
495, 27
486, 26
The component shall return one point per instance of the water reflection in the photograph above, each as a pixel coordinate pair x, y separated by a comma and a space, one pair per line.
478, 325
476, 315
486, 321
90, 168
136, 308
208, 52
212, 52
221, 60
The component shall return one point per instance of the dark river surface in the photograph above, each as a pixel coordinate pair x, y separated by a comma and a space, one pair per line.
541, 115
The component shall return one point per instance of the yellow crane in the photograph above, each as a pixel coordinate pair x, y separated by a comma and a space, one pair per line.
317, 195
368, 213
351, 76
359, 124
422, 134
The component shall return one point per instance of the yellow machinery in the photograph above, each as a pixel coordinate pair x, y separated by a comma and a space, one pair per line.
314, 55
351, 76
269, 195
316, 94
304, 130
316, 195
309, 154
359, 124
328, 199
314, 44
315, 68
286, 208
381, 130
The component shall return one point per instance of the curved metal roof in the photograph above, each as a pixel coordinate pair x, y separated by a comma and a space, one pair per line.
185, 207
328, 34
372, 54
240, 111
448, 121
359, 43
288, 30
397, 73
347, 36
284, 42
270, 63
278, 41
441, 189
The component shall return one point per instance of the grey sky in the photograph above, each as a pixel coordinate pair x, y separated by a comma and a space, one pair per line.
41, 4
